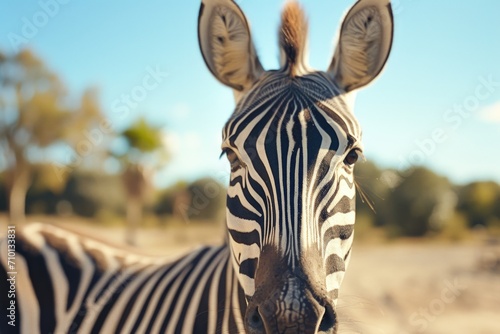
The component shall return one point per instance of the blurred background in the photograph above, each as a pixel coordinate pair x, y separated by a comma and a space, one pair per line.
110, 124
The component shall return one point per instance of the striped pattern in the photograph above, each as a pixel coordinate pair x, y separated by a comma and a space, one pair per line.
70, 284
295, 192
291, 142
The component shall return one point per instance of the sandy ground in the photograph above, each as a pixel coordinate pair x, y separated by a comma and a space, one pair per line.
399, 288
420, 288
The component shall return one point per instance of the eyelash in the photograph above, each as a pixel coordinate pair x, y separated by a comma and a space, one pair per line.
233, 158
353, 156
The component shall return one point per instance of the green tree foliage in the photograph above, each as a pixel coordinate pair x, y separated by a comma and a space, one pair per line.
35, 116
410, 203
142, 137
480, 203
207, 199
415, 199
173, 200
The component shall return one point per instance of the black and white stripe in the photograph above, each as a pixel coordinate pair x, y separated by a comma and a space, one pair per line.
294, 192
67, 283
292, 142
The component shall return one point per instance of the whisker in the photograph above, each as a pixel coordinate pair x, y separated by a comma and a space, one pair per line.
353, 300
364, 197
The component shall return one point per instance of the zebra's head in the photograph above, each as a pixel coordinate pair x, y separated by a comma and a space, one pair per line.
292, 142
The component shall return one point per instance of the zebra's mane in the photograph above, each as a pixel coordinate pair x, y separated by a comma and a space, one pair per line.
293, 37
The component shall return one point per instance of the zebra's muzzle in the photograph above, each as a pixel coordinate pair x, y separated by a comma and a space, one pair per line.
290, 309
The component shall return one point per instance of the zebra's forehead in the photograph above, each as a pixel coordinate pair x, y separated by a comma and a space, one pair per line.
277, 100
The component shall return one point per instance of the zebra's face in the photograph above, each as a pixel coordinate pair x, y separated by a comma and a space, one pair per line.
292, 143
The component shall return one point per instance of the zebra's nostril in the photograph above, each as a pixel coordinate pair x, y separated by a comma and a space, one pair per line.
255, 320
329, 320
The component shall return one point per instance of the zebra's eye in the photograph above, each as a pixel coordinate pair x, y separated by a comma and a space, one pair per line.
352, 157
234, 161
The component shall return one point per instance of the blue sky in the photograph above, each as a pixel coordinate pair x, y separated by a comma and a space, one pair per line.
437, 103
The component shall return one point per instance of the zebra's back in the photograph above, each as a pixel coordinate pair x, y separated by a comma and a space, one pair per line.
66, 283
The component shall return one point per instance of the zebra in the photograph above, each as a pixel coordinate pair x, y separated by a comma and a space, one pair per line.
292, 143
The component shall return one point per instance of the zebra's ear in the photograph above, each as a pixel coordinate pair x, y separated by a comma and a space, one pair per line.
364, 44
226, 45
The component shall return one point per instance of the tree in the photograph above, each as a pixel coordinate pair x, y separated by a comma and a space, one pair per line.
173, 201
143, 155
421, 202
201, 200
34, 118
480, 203
89, 193
207, 199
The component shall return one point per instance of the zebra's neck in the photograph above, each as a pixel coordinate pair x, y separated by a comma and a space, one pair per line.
86, 286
